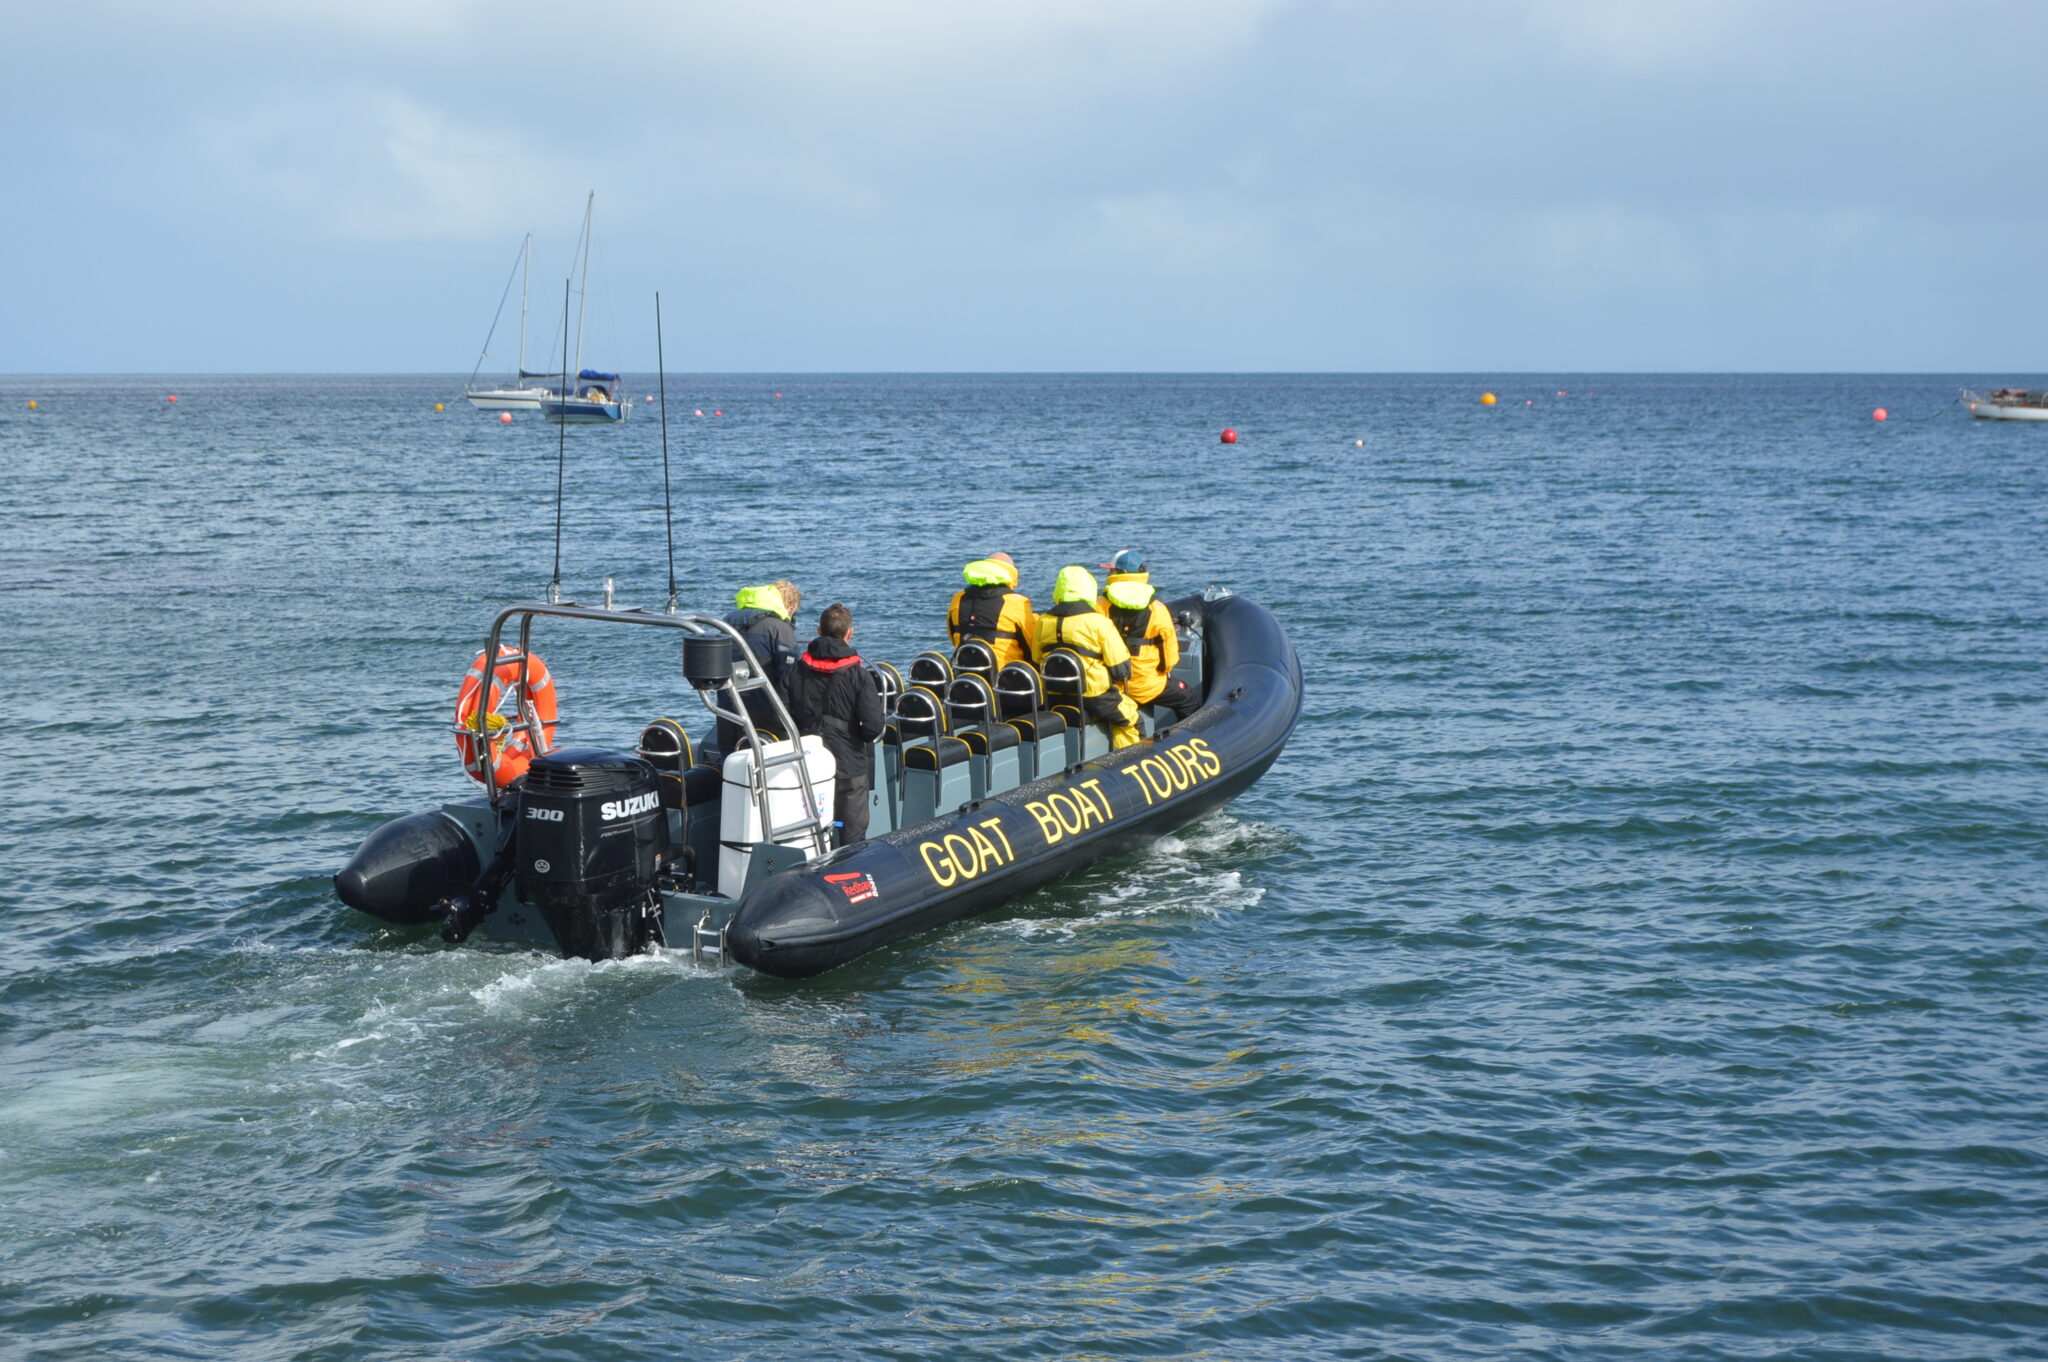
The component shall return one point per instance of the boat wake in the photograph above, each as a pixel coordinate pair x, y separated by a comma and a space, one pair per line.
421, 998
1195, 873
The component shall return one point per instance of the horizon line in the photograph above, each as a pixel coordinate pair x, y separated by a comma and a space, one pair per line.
1033, 373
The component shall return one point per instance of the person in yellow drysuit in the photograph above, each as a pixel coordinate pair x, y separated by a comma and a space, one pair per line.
992, 609
1131, 604
1074, 623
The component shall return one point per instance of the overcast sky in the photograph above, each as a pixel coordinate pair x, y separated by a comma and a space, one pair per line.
341, 185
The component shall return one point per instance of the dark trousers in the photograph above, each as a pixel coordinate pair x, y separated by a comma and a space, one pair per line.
850, 806
1179, 697
1103, 708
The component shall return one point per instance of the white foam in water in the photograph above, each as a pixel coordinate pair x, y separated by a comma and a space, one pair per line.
418, 996
1168, 881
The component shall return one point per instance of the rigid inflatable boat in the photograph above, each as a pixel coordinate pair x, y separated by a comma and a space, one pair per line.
986, 783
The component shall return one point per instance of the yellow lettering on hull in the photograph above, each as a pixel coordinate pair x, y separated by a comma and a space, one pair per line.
1178, 768
957, 857
969, 853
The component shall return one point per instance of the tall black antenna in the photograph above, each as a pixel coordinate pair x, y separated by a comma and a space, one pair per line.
561, 448
668, 513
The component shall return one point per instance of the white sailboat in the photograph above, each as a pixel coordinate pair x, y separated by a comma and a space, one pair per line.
520, 394
590, 397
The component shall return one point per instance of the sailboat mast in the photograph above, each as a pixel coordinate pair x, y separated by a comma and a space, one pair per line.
525, 272
583, 290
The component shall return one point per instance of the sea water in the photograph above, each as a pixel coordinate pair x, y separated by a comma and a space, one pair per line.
1641, 949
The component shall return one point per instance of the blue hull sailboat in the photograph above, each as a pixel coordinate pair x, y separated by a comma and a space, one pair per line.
593, 399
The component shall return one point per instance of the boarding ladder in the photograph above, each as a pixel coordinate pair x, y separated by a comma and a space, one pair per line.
727, 701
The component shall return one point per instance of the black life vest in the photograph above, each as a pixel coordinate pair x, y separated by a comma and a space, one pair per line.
981, 612
1132, 624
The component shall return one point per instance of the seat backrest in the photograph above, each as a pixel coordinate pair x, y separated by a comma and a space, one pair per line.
665, 746
970, 700
976, 658
931, 669
1019, 690
920, 714
1063, 675
889, 682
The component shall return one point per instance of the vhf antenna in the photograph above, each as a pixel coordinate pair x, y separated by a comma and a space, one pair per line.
667, 506
561, 448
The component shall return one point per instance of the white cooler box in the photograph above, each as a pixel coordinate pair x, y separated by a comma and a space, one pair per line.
739, 818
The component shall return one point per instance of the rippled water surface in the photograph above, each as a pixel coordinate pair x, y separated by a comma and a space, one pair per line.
1638, 952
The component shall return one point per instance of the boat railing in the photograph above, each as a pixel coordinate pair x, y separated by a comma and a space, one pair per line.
725, 700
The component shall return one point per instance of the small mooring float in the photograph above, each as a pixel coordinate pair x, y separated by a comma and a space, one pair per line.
987, 782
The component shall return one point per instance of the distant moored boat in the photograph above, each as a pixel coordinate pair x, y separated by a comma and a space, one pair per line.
2007, 404
520, 394
592, 397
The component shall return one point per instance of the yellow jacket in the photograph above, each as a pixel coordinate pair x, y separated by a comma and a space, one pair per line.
1073, 623
992, 610
1146, 627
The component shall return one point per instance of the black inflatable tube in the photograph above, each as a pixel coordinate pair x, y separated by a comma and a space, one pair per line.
816, 917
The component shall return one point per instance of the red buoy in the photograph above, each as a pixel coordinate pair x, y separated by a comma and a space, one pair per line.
504, 418
1880, 415
1229, 437
172, 398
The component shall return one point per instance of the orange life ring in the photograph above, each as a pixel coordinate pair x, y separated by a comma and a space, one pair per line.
510, 748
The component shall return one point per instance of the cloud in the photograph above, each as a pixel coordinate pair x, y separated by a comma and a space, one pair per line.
1594, 248
1062, 183
370, 166
1641, 35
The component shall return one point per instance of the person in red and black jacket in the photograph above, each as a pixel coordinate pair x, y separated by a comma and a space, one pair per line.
831, 694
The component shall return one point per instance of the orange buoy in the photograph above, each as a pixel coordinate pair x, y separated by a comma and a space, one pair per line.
1229, 437
504, 418
1487, 399
439, 407
1880, 415
31, 404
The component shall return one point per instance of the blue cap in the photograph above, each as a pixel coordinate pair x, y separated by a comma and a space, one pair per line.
1130, 560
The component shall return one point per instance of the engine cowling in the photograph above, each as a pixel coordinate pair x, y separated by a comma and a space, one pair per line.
590, 841
404, 870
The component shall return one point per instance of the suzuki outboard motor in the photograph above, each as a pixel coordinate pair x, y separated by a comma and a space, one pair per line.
591, 839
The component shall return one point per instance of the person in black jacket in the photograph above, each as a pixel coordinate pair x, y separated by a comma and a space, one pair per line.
830, 693
763, 619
